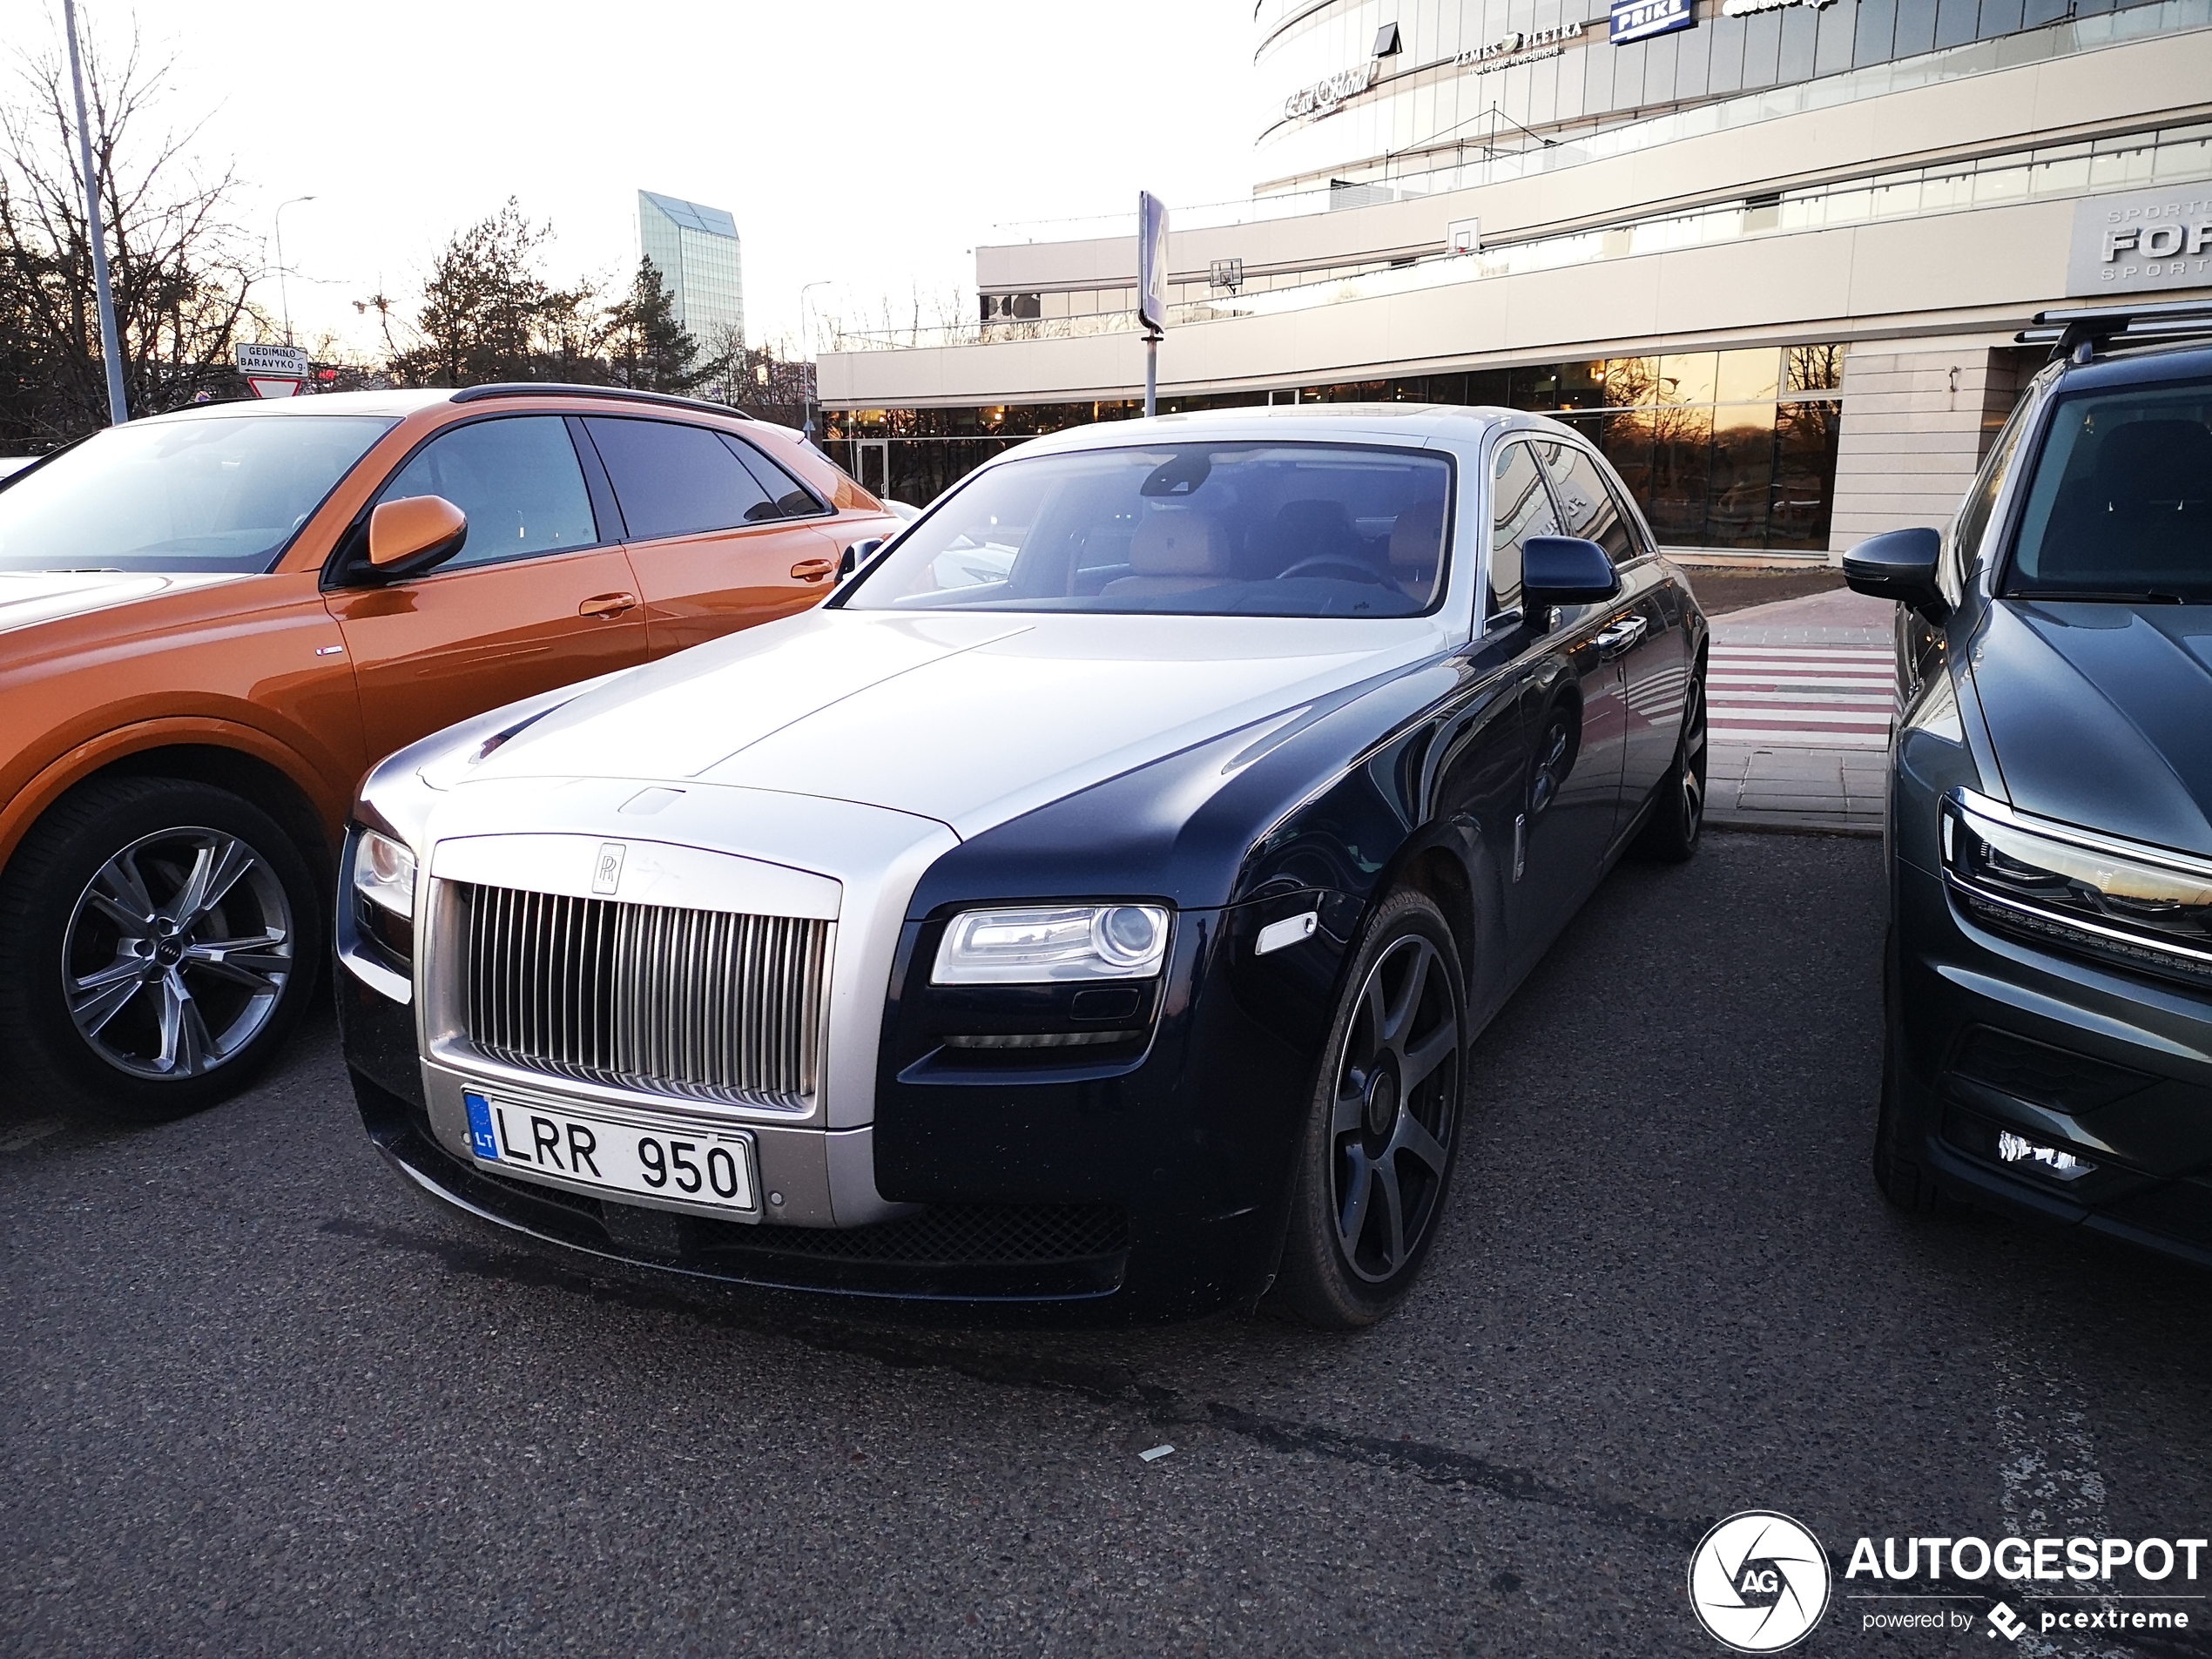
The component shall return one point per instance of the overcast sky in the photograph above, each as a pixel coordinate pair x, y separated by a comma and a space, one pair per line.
873, 142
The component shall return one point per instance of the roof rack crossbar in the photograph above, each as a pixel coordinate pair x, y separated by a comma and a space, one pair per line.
2078, 332
621, 394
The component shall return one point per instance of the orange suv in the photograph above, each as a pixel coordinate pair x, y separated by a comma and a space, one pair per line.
213, 622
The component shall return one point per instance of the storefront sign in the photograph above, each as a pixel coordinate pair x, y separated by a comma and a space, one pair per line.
1519, 47
2141, 242
1641, 19
1744, 8
1323, 97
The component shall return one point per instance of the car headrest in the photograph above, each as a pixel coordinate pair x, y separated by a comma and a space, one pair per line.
1312, 529
1176, 541
2154, 461
1417, 539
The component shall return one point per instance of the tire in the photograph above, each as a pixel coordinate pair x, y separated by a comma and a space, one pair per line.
124, 994
1908, 1187
1372, 1149
1678, 810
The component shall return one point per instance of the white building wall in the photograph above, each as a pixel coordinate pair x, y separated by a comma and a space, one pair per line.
1917, 422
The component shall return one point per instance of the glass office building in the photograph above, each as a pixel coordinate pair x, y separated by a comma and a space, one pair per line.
695, 249
1770, 256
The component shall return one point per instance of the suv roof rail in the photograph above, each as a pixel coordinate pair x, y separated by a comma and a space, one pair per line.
621, 394
2080, 332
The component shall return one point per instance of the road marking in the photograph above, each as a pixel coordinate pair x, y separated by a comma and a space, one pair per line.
1802, 696
2049, 1484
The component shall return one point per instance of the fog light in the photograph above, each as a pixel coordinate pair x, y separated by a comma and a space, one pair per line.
2016, 1149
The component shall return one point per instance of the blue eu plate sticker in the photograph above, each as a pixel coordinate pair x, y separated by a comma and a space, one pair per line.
480, 1136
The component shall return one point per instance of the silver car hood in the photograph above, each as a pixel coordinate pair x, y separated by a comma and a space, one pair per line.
968, 718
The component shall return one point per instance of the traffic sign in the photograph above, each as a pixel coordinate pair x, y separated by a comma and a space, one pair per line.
272, 371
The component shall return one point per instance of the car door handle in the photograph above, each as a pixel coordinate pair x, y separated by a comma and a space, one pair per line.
607, 606
814, 570
1619, 636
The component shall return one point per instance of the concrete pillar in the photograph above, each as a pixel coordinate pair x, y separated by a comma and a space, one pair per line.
1918, 419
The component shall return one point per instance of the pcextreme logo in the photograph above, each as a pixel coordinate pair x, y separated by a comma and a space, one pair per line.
1758, 1582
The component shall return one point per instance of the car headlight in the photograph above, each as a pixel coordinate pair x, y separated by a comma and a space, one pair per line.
384, 873
1036, 946
2142, 906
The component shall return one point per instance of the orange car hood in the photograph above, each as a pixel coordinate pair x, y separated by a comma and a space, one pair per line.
28, 596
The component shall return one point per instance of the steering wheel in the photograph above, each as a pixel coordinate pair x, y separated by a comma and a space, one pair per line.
1329, 564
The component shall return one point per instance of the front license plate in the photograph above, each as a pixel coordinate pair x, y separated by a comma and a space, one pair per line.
713, 1167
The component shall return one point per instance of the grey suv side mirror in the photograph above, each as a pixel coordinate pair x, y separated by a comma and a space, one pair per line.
1899, 565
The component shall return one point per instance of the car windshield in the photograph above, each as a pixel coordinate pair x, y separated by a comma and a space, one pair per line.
1271, 530
2120, 506
213, 494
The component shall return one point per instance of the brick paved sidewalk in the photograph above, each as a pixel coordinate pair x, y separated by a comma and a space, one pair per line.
1799, 703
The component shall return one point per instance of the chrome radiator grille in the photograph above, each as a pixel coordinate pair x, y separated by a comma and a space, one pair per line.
702, 1004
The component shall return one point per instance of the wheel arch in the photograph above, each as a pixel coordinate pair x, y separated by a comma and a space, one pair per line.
240, 760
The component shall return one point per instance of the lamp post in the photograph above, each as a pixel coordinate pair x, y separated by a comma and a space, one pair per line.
284, 297
805, 349
111, 343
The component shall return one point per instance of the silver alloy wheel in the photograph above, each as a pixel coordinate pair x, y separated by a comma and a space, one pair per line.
177, 953
1396, 1110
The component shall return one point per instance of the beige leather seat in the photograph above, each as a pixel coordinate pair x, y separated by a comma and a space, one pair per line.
1416, 545
1173, 551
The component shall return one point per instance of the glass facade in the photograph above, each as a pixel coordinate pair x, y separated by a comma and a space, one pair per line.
695, 248
1729, 449
1458, 91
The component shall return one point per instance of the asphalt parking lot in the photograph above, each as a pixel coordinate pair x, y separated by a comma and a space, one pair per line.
258, 1401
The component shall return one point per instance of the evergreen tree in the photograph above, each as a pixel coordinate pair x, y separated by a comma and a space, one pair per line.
647, 348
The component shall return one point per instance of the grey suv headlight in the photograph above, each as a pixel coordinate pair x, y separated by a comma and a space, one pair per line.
2141, 906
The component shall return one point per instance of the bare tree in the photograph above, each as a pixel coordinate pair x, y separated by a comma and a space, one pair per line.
183, 270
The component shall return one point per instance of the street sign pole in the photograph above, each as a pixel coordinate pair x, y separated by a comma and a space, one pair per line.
111, 343
1151, 287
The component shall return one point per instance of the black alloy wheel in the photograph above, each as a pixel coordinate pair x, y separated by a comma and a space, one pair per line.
1377, 1155
1678, 810
158, 939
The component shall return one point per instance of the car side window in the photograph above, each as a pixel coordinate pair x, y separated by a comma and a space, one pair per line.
790, 498
1520, 507
1965, 540
671, 479
518, 481
1587, 508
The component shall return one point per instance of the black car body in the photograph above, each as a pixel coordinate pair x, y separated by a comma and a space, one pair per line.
1324, 734
2049, 972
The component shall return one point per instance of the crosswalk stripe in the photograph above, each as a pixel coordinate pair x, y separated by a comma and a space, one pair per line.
1808, 695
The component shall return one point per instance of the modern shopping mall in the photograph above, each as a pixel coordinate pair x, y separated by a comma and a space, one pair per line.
1770, 255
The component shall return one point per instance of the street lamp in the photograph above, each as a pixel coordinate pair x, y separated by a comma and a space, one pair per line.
284, 298
805, 346
111, 340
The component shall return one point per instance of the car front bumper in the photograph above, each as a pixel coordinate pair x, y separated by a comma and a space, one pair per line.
2012, 1059
1150, 1185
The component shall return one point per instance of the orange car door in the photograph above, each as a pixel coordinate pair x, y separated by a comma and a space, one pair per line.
716, 529
540, 595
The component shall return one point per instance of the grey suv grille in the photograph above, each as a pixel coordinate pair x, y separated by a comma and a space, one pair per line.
701, 1004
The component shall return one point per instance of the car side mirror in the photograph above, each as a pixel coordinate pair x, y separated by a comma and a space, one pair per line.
1565, 570
1899, 565
408, 537
858, 555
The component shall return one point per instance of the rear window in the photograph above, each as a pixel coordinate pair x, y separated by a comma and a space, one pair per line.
2120, 507
1271, 530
